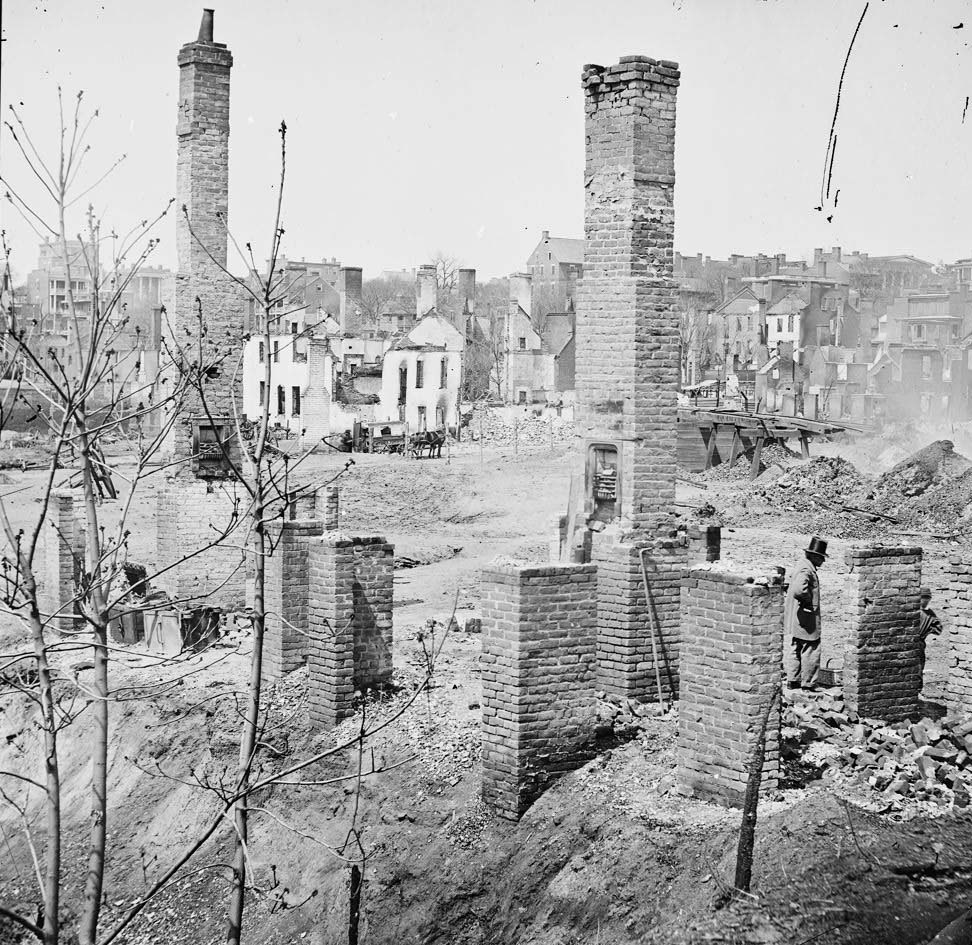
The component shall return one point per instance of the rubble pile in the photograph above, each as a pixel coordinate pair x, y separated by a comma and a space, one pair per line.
529, 430
928, 762
775, 455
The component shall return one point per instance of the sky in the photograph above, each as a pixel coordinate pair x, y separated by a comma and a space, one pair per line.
417, 127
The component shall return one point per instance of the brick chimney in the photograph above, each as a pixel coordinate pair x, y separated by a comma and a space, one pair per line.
349, 295
521, 291
467, 289
425, 290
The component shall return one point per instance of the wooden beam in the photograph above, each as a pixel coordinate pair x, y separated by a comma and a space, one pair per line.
805, 446
734, 451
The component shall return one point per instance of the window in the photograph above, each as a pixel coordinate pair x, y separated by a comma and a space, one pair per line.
293, 328
738, 324
443, 373
295, 401
522, 342
789, 323
263, 392
281, 399
918, 332
549, 257
926, 367
276, 351
263, 352
421, 418
779, 326
418, 373
521, 396
925, 403
946, 368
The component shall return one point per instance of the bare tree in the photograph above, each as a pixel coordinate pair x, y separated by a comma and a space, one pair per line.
387, 295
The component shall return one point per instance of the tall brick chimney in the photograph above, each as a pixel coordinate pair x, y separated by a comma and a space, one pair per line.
349, 295
202, 183
425, 290
521, 285
627, 325
202, 188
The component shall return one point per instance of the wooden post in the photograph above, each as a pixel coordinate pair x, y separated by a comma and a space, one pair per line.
712, 447
734, 451
804, 445
757, 454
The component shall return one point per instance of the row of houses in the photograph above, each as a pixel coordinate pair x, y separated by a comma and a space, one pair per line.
844, 336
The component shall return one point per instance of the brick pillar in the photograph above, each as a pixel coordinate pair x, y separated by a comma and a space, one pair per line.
63, 558
732, 648
287, 598
349, 622
704, 543
538, 672
316, 396
957, 614
627, 325
627, 619
328, 507
881, 673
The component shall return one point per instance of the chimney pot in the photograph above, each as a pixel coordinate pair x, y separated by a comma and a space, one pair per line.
206, 27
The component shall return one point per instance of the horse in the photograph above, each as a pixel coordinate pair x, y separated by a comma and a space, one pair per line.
431, 440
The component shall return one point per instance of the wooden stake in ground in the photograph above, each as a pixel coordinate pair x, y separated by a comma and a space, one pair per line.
747, 831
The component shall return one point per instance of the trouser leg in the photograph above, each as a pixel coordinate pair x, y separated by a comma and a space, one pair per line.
791, 662
809, 663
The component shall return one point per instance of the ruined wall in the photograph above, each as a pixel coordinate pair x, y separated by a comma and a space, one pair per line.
732, 647
627, 360
957, 618
538, 669
625, 659
193, 513
881, 674
349, 622
328, 507
287, 597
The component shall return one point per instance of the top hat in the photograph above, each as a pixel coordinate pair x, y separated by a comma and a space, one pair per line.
925, 592
817, 547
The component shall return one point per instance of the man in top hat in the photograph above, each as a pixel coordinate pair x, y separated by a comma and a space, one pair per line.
929, 625
801, 620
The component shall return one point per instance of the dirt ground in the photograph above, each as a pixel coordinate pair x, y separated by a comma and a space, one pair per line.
609, 854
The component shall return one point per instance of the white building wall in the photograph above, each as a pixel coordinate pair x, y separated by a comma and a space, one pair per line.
431, 396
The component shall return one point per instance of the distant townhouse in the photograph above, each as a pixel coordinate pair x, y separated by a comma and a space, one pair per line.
555, 267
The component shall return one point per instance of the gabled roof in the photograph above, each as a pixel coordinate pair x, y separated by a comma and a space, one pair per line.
740, 304
564, 249
790, 304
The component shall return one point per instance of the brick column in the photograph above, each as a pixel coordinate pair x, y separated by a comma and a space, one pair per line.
63, 557
881, 673
627, 325
732, 648
957, 614
328, 507
625, 618
349, 622
704, 543
538, 672
287, 598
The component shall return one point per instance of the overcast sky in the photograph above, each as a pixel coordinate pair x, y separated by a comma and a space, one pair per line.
417, 126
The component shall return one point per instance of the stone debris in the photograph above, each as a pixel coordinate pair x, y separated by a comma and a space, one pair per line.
926, 761
529, 430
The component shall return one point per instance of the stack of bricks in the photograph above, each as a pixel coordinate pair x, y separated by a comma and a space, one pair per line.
882, 678
627, 618
957, 614
63, 560
538, 674
287, 597
328, 507
628, 362
349, 622
732, 648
